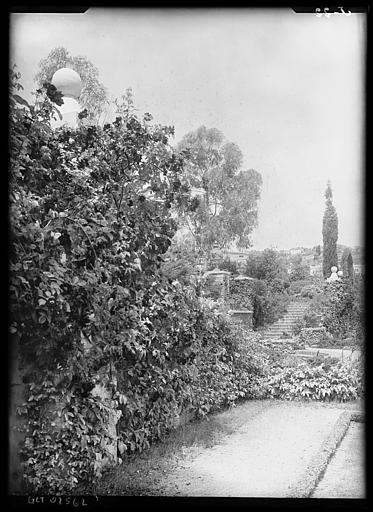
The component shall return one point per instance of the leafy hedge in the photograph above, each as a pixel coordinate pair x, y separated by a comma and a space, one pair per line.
90, 213
325, 382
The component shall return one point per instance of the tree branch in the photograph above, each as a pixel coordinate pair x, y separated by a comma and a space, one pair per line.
121, 199
86, 234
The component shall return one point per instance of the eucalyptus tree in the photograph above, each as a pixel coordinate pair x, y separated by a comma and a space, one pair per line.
225, 204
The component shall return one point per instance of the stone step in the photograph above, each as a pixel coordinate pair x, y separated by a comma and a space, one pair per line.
295, 312
277, 329
281, 324
281, 329
277, 333
283, 321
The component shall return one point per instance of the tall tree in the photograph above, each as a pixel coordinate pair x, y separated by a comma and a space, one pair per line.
266, 265
93, 96
225, 208
317, 251
299, 270
347, 265
329, 233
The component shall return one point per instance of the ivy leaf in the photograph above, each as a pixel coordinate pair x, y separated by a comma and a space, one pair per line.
20, 100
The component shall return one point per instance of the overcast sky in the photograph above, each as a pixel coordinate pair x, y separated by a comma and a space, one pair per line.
287, 88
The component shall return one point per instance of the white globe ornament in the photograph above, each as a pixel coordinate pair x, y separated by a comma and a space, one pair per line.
69, 83
334, 276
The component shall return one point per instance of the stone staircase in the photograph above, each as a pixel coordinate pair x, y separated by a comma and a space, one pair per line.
295, 312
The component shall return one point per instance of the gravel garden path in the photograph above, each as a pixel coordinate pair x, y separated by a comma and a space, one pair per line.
263, 459
277, 449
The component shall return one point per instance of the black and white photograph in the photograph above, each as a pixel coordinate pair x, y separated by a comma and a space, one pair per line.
186, 253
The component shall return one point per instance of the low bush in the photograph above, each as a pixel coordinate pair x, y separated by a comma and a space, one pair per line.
295, 287
277, 355
298, 344
309, 319
316, 336
308, 291
228, 265
312, 319
222, 377
326, 382
279, 285
327, 361
298, 326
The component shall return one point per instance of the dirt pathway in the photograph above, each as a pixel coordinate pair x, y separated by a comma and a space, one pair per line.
257, 449
263, 458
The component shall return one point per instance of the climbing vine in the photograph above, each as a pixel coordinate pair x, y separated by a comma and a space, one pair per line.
90, 220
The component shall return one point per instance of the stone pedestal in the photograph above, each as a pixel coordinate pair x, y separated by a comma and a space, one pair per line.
69, 112
69, 83
217, 284
103, 391
245, 316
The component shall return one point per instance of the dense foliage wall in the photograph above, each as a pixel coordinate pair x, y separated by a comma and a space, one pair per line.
90, 220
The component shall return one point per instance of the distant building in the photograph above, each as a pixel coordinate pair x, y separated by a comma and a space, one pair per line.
316, 270
235, 255
295, 251
359, 269
308, 259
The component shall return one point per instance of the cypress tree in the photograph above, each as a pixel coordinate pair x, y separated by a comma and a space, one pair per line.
350, 267
347, 264
329, 233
